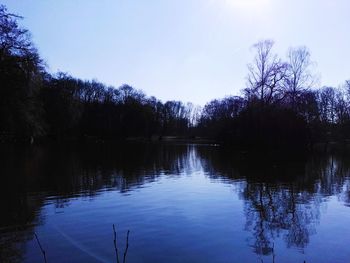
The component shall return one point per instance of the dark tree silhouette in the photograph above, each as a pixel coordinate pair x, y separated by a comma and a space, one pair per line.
280, 108
266, 75
20, 80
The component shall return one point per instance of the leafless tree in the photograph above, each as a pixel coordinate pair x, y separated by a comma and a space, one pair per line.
346, 88
266, 74
299, 74
341, 106
14, 40
193, 113
327, 102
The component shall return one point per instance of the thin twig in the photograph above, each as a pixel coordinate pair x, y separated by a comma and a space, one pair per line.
41, 248
273, 253
115, 243
127, 246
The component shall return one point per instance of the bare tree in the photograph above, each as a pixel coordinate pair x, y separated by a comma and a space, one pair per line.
341, 106
347, 90
14, 40
299, 74
327, 102
266, 74
195, 115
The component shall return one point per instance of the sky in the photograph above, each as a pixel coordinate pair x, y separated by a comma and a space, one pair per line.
189, 50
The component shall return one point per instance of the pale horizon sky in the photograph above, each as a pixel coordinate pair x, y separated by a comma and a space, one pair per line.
189, 50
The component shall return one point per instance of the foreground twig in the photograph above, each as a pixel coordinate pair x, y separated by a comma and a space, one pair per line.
127, 246
41, 248
115, 244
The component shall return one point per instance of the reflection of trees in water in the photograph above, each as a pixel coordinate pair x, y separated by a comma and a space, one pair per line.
332, 173
20, 214
66, 171
281, 198
273, 210
60, 173
345, 196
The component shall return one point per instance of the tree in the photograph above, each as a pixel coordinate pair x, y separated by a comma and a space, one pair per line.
341, 107
21, 72
327, 103
13, 39
266, 75
299, 76
62, 102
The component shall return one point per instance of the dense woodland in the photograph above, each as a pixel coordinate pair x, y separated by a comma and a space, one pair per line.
281, 106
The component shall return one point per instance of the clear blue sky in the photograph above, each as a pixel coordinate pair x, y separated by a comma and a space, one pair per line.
191, 50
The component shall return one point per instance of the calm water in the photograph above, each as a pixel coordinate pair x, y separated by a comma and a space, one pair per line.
181, 203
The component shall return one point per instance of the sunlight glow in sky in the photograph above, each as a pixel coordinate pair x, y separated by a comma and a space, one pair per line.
248, 4
190, 50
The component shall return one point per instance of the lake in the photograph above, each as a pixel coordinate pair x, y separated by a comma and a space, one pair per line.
181, 203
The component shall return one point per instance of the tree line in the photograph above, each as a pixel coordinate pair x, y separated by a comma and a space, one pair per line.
281, 105
35, 103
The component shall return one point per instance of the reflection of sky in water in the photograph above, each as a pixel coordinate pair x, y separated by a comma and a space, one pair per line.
194, 209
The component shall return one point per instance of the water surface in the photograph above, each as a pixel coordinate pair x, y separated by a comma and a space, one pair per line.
181, 203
